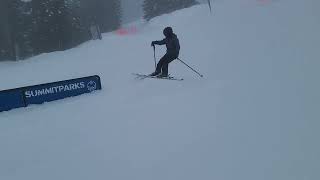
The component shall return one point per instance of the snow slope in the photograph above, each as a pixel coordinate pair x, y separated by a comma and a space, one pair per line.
254, 116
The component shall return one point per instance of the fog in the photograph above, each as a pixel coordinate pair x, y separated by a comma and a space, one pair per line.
132, 10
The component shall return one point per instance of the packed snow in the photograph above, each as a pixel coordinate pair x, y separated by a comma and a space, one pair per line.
254, 115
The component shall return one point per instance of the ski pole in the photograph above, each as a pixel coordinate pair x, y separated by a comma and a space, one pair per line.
154, 57
209, 3
190, 68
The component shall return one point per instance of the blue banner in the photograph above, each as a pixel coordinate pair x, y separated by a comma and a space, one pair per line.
39, 94
59, 90
11, 99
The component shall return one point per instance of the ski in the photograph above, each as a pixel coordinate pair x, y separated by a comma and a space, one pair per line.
166, 78
143, 76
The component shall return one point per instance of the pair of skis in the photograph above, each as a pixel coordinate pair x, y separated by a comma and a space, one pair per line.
144, 76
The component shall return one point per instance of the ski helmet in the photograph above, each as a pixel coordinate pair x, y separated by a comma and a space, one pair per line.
167, 31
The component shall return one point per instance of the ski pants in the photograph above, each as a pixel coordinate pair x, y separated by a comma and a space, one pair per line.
163, 64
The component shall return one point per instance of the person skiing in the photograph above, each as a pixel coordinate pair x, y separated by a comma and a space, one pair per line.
173, 48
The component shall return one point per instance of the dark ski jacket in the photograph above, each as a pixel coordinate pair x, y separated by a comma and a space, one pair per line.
172, 44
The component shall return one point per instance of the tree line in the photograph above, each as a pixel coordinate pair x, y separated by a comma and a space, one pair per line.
153, 8
32, 27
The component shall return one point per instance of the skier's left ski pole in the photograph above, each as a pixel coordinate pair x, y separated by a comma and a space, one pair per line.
190, 68
154, 57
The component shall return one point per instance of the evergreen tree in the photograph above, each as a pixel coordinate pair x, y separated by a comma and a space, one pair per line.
6, 51
105, 13
21, 28
153, 8
49, 21
112, 16
75, 29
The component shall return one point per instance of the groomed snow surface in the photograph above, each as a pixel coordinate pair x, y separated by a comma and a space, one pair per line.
254, 115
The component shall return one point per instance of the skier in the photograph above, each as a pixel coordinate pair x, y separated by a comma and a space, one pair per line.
173, 47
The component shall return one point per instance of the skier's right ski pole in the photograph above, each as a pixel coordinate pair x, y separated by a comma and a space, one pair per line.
154, 57
190, 68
